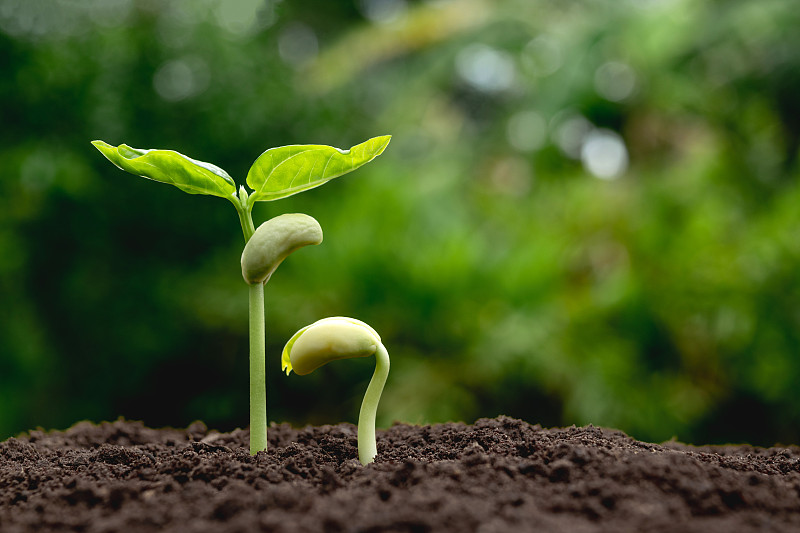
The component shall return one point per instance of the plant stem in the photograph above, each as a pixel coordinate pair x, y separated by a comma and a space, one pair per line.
258, 378
244, 208
367, 447
246, 219
258, 384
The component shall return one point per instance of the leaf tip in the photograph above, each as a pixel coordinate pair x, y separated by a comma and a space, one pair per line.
383, 140
97, 143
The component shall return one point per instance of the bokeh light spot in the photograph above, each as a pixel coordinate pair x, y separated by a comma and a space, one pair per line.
238, 16
298, 44
181, 78
485, 68
383, 11
542, 56
604, 154
614, 81
570, 132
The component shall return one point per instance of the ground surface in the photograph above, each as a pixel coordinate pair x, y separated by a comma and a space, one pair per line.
498, 475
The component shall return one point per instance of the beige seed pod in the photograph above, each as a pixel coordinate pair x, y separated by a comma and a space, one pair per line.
327, 340
273, 241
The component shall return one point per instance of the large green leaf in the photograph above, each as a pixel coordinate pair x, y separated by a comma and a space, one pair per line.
287, 170
166, 166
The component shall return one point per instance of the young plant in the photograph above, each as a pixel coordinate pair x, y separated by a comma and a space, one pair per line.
277, 173
335, 338
270, 244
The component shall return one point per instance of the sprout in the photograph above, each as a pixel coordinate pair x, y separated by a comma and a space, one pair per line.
277, 173
270, 244
335, 338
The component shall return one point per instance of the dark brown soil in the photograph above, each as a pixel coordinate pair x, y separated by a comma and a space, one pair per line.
498, 475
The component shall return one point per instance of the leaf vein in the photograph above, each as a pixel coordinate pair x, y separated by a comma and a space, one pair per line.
325, 168
275, 168
299, 170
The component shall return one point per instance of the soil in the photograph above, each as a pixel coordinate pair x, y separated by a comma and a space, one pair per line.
498, 475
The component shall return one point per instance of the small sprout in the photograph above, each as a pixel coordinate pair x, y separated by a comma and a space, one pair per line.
275, 174
335, 338
270, 244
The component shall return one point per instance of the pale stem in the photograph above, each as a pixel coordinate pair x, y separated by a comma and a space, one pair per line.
367, 447
258, 384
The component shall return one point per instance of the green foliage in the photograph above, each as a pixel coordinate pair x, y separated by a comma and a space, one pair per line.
279, 172
166, 166
287, 170
503, 273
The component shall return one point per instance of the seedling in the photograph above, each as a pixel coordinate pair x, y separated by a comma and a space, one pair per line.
267, 248
277, 173
335, 338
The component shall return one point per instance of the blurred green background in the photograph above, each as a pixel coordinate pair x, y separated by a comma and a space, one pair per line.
589, 211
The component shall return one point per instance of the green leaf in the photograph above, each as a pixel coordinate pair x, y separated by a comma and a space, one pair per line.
286, 360
287, 170
166, 166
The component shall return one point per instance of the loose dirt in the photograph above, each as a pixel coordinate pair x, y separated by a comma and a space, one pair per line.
498, 475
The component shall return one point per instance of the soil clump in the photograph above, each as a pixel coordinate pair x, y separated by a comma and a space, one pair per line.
498, 475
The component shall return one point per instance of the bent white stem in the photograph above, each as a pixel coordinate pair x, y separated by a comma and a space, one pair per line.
335, 338
367, 446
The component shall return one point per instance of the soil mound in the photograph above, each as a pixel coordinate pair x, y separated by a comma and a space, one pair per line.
498, 475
